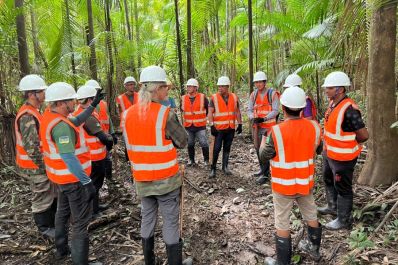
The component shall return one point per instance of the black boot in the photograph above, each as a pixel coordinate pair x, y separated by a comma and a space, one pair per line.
45, 222
205, 151
225, 169
108, 168
312, 243
331, 200
191, 155
79, 248
148, 245
262, 170
343, 220
213, 166
283, 252
174, 255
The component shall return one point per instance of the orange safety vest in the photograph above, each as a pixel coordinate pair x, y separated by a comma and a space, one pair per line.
340, 145
22, 158
262, 108
56, 169
292, 169
194, 113
103, 116
224, 116
124, 102
313, 109
152, 156
97, 149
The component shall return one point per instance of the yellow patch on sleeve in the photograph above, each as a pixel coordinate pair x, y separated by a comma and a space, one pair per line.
64, 140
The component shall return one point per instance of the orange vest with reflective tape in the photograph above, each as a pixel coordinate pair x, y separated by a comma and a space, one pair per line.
124, 102
194, 113
56, 169
224, 115
22, 158
103, 116
97, 149
152, 156
292, 169
340, 145
262, 108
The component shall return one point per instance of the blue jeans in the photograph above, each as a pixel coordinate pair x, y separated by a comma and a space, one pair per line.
201, 135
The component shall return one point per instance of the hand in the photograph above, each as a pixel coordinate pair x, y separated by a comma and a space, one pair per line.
98, 97
213, 131
90, 191
114, 137
258, 120
239, 129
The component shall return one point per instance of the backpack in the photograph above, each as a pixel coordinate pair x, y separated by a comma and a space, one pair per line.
269, 97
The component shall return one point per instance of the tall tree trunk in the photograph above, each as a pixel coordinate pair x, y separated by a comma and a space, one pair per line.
250, 14
39, 55
381, 163
70, 42
90, 42
21, 35
179, 48
137, 35
129, 34
110, 54
190, 66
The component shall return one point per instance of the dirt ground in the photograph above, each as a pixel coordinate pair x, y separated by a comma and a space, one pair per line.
228, 220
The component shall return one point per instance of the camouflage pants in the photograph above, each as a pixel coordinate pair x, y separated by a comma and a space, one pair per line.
43, 192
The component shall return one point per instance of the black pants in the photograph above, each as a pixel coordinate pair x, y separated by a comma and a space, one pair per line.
339, 175
46, 219
97, 177
108, 165
72, 203
223, 140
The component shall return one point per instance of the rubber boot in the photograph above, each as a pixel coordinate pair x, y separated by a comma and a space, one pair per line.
225, 169
343, 220
213, 166
174, 255
45, 222
148, 245
205, 151
283, 252
191, 155
312, 243
79, 248
331, 200
108, 168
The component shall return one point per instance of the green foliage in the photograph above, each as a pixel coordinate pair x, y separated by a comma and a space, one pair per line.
359, 239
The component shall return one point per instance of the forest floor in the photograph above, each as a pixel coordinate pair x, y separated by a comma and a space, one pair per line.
228, 220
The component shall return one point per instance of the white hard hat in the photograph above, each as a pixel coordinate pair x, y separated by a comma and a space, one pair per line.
60, 91
259, 76
293, 98
336, 79
153, 73
192, 82
223, 81
86, 92
93, 83
129, 79
293, 80
32, 82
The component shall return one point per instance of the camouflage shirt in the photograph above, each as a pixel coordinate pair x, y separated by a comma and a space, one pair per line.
29, 129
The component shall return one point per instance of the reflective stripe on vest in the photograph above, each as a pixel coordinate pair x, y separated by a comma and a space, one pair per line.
152, 156
57, 170
22, 159
224, 115
262, 108
125, 103
340, 145
97, 149
195, 112
292, 169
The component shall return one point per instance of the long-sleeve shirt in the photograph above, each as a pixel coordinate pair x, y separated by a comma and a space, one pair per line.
275, 104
